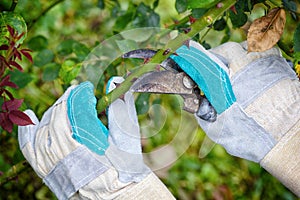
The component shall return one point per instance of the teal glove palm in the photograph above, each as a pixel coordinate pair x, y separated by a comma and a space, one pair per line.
210, 74
87, 128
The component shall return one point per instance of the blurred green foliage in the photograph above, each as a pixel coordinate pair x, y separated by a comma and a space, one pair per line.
62, 33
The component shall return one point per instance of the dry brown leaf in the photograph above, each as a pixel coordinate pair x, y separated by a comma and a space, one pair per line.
265, 31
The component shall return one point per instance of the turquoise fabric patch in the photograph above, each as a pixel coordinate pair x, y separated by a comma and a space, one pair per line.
86, 127
209, 76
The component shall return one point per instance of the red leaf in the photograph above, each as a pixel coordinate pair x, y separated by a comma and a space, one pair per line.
8, 93
19, 36
11, 30
4, 47
16, 65
27, 54
6, 82
17, 54
19, 118
192, 19
12, 105
3, 59
5, 122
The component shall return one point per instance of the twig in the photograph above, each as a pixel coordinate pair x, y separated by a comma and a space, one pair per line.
13, 5
172, 45
33, 21
13, 172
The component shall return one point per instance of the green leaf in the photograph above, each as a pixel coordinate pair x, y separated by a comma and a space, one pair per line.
20, 78
43, 57
101, 4
290, 5
181, 5
209, 173
51, 71
66, 47
127, 45
123, 21
201, 3
198, 12
238, 19
69, 70
16, 21
226, 36
142, 103
80, 50
155, 4
220, 24
297, 39
146, 17
38, 43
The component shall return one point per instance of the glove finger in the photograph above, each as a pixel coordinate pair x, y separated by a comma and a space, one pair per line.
122, 121
26, 137
210, 74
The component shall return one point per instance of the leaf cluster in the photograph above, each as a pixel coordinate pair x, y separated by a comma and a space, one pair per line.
10, 54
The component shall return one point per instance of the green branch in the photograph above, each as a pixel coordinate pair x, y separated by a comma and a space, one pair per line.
13, 172
13, 5
211, 16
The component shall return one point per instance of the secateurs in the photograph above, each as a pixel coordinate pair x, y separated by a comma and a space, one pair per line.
172, 80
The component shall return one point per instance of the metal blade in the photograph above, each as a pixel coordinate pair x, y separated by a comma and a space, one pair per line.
167, 82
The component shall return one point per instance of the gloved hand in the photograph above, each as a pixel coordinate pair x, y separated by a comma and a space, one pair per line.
79, 158
257, 100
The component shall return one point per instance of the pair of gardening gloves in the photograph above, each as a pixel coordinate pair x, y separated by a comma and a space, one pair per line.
256, 96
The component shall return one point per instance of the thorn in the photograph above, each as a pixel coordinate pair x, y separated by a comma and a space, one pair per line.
128, 72
122, 97
220, 5
166, 52
157, 67
187, 30
187, 43
232, 8
133, 80
146, 60
117, 84
176, 21
192, 19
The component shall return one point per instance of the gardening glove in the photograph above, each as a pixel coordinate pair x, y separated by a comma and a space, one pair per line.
79, 158
256, 96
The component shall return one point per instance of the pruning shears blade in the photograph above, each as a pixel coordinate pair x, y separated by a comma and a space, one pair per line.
169, 82
172, 81
166, 82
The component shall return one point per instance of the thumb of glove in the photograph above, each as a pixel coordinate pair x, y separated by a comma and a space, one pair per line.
123, 122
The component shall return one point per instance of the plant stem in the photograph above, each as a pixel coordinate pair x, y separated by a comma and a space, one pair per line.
172, 45
13, 5
13, 172
32, 22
